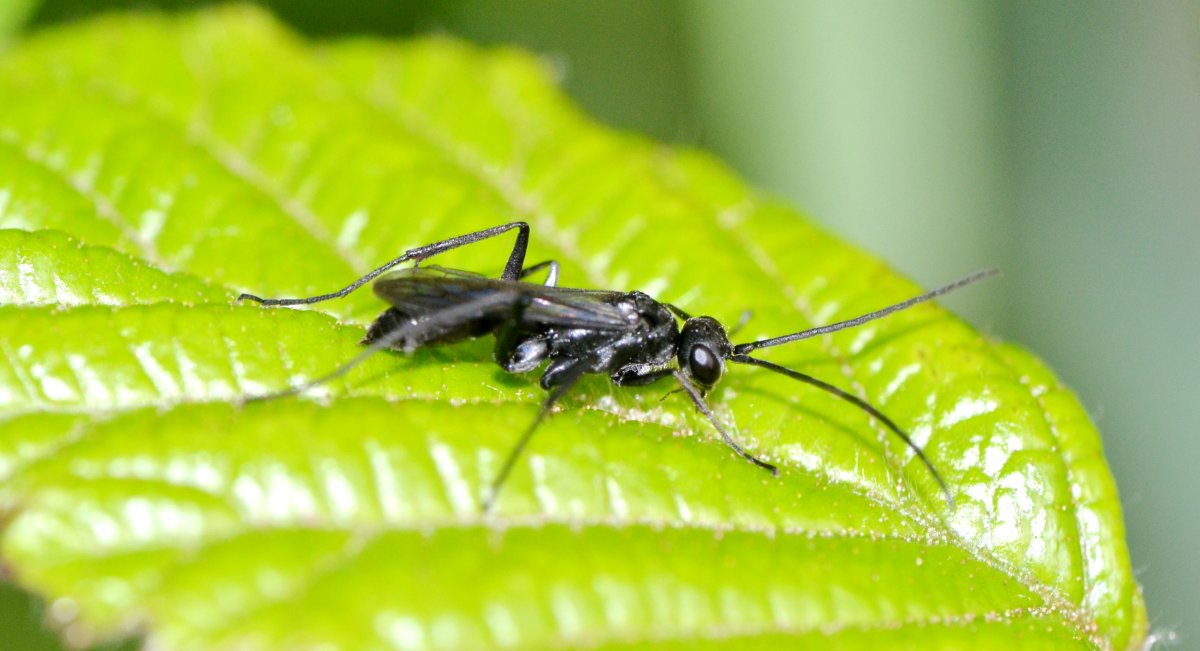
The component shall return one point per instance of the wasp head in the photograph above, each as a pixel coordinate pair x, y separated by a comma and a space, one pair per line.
702, 351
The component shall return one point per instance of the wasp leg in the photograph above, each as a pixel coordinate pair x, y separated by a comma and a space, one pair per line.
409, 336
638, 375
517, 351
677, 311
551, 275
698, 399
566, 379
742, 321
512, 268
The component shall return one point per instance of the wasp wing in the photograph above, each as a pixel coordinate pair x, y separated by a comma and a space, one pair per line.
420, 291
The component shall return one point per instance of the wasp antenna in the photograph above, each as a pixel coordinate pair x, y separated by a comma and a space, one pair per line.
857, 402
741, 349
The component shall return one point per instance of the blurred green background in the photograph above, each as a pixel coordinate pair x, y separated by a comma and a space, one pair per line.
1057, 140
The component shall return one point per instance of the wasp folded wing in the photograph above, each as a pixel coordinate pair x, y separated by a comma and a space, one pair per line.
419, 294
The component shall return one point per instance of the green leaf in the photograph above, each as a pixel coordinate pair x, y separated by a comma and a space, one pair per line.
13, 14
154, 167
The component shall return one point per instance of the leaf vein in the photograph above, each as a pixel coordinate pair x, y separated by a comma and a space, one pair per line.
1073, 503
102, 207
226, 157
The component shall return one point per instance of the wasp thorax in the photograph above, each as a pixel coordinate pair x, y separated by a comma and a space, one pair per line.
703, 348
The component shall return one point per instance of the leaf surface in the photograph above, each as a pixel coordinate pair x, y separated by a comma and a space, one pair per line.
152, 168
13, 14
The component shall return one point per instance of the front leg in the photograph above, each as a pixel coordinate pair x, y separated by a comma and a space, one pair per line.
638, 375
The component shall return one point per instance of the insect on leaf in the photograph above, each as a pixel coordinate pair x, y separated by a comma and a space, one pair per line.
152, 168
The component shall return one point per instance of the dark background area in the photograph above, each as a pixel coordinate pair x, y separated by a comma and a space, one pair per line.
1059, 141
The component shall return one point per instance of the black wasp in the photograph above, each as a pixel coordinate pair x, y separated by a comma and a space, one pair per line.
629, 336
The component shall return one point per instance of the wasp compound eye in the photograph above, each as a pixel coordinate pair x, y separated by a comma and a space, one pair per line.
703, 365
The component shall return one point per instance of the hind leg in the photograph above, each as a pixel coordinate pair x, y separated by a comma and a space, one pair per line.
512, 269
